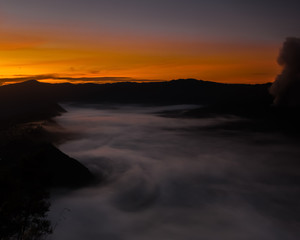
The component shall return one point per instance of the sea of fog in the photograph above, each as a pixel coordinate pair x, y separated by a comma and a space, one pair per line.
175, 178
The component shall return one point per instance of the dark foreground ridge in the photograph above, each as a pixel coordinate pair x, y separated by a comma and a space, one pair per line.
44, 163
30, 166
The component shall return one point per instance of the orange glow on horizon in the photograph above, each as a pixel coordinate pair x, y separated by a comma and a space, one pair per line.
155, 59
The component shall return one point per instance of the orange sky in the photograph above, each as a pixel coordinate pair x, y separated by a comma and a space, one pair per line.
222, 41
71, 55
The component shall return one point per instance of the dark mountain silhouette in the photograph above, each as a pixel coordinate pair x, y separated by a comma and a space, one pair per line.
35, 100
172, 92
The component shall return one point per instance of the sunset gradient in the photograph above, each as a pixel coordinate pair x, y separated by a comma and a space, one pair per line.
57, 42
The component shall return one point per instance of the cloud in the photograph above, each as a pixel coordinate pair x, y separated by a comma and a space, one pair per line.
56, 78
94, 79
286, 87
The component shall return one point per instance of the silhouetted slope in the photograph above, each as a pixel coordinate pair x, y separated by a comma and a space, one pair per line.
30, 151
24, 102
45, 163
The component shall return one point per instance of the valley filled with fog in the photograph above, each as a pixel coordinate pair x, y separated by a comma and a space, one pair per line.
175, 178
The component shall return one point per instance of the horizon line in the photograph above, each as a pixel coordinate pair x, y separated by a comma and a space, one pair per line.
101, 80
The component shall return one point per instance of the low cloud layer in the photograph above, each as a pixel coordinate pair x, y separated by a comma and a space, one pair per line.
286, 88
56, 78
169, 178
22, 78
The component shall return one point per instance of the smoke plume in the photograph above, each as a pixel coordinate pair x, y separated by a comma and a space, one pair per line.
286, 87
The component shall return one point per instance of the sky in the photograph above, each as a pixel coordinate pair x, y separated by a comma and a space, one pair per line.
89, 40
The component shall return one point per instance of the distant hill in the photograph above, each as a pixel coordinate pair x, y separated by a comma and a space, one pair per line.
176, 91
33, 99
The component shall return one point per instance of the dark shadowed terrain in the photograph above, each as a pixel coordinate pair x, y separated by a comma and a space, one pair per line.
167, 159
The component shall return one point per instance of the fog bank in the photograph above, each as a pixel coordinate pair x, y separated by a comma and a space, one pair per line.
170, 178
